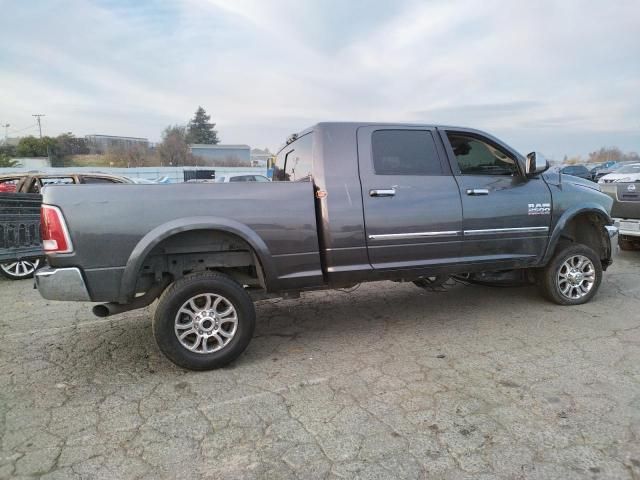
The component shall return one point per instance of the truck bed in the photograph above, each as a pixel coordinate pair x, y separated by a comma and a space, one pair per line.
109, 224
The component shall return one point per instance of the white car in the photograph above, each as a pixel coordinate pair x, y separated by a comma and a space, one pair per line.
627, 173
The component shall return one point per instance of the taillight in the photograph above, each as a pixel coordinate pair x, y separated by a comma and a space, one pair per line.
53, 231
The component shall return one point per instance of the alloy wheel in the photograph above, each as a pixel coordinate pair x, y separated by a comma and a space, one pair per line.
206, 323
21, 268
576, 277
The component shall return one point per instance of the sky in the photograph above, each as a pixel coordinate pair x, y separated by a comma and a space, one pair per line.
555, 77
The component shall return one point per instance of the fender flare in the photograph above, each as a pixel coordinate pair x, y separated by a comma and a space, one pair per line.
166, 230
569, 215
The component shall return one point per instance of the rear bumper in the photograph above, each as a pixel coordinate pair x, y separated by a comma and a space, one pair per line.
62, 284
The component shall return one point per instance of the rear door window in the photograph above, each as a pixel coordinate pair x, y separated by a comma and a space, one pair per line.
405, 152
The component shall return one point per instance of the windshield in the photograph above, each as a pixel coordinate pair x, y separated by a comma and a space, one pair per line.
635, 168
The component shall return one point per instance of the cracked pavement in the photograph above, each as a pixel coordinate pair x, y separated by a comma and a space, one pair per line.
386, 382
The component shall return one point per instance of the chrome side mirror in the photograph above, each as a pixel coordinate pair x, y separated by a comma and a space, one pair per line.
536, 163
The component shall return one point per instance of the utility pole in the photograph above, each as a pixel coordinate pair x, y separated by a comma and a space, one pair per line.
6, 133
38, 115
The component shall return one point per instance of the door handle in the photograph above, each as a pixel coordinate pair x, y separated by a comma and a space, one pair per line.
382, 192
477, 191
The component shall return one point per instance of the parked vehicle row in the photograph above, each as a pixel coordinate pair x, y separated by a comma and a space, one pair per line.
595, 173
351, 203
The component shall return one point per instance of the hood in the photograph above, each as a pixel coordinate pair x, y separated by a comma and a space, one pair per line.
583, 182
552, 177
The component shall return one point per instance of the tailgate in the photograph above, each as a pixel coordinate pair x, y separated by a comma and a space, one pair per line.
20, 226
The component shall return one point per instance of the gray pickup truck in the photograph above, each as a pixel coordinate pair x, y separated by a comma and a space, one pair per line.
351, 202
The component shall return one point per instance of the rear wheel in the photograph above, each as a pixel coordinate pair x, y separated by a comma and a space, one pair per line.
20, 269
204, 321
573, 276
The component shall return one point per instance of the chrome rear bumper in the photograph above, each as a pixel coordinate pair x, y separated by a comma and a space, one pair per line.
62, 284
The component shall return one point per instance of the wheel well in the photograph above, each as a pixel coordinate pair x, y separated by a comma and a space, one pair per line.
201, 250
586, 229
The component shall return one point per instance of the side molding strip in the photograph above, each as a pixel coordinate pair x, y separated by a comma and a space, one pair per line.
448, 233
393, 236
489, 231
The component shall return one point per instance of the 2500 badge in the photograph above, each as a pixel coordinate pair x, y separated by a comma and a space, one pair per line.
539, 209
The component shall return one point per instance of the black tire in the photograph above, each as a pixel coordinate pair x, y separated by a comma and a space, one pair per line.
550, 285
21, 269
175, 297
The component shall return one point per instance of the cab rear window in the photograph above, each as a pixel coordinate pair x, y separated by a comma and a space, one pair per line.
294, 162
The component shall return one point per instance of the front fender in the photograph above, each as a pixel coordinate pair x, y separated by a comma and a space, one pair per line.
166, 230
567, 216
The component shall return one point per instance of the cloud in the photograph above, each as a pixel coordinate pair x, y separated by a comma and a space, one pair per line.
563, 74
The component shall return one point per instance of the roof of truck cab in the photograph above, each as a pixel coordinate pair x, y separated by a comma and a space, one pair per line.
369, 124
310, 129
355, 125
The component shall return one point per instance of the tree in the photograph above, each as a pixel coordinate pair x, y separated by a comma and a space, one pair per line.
7, 161
174, 149
67, 144
8, 150
200, 130
605, 155
33, 147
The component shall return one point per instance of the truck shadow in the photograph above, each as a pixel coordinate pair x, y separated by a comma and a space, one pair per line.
381, 316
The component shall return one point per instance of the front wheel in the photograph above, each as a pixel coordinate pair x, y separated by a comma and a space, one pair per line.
204, 321
573, 276
20, 269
